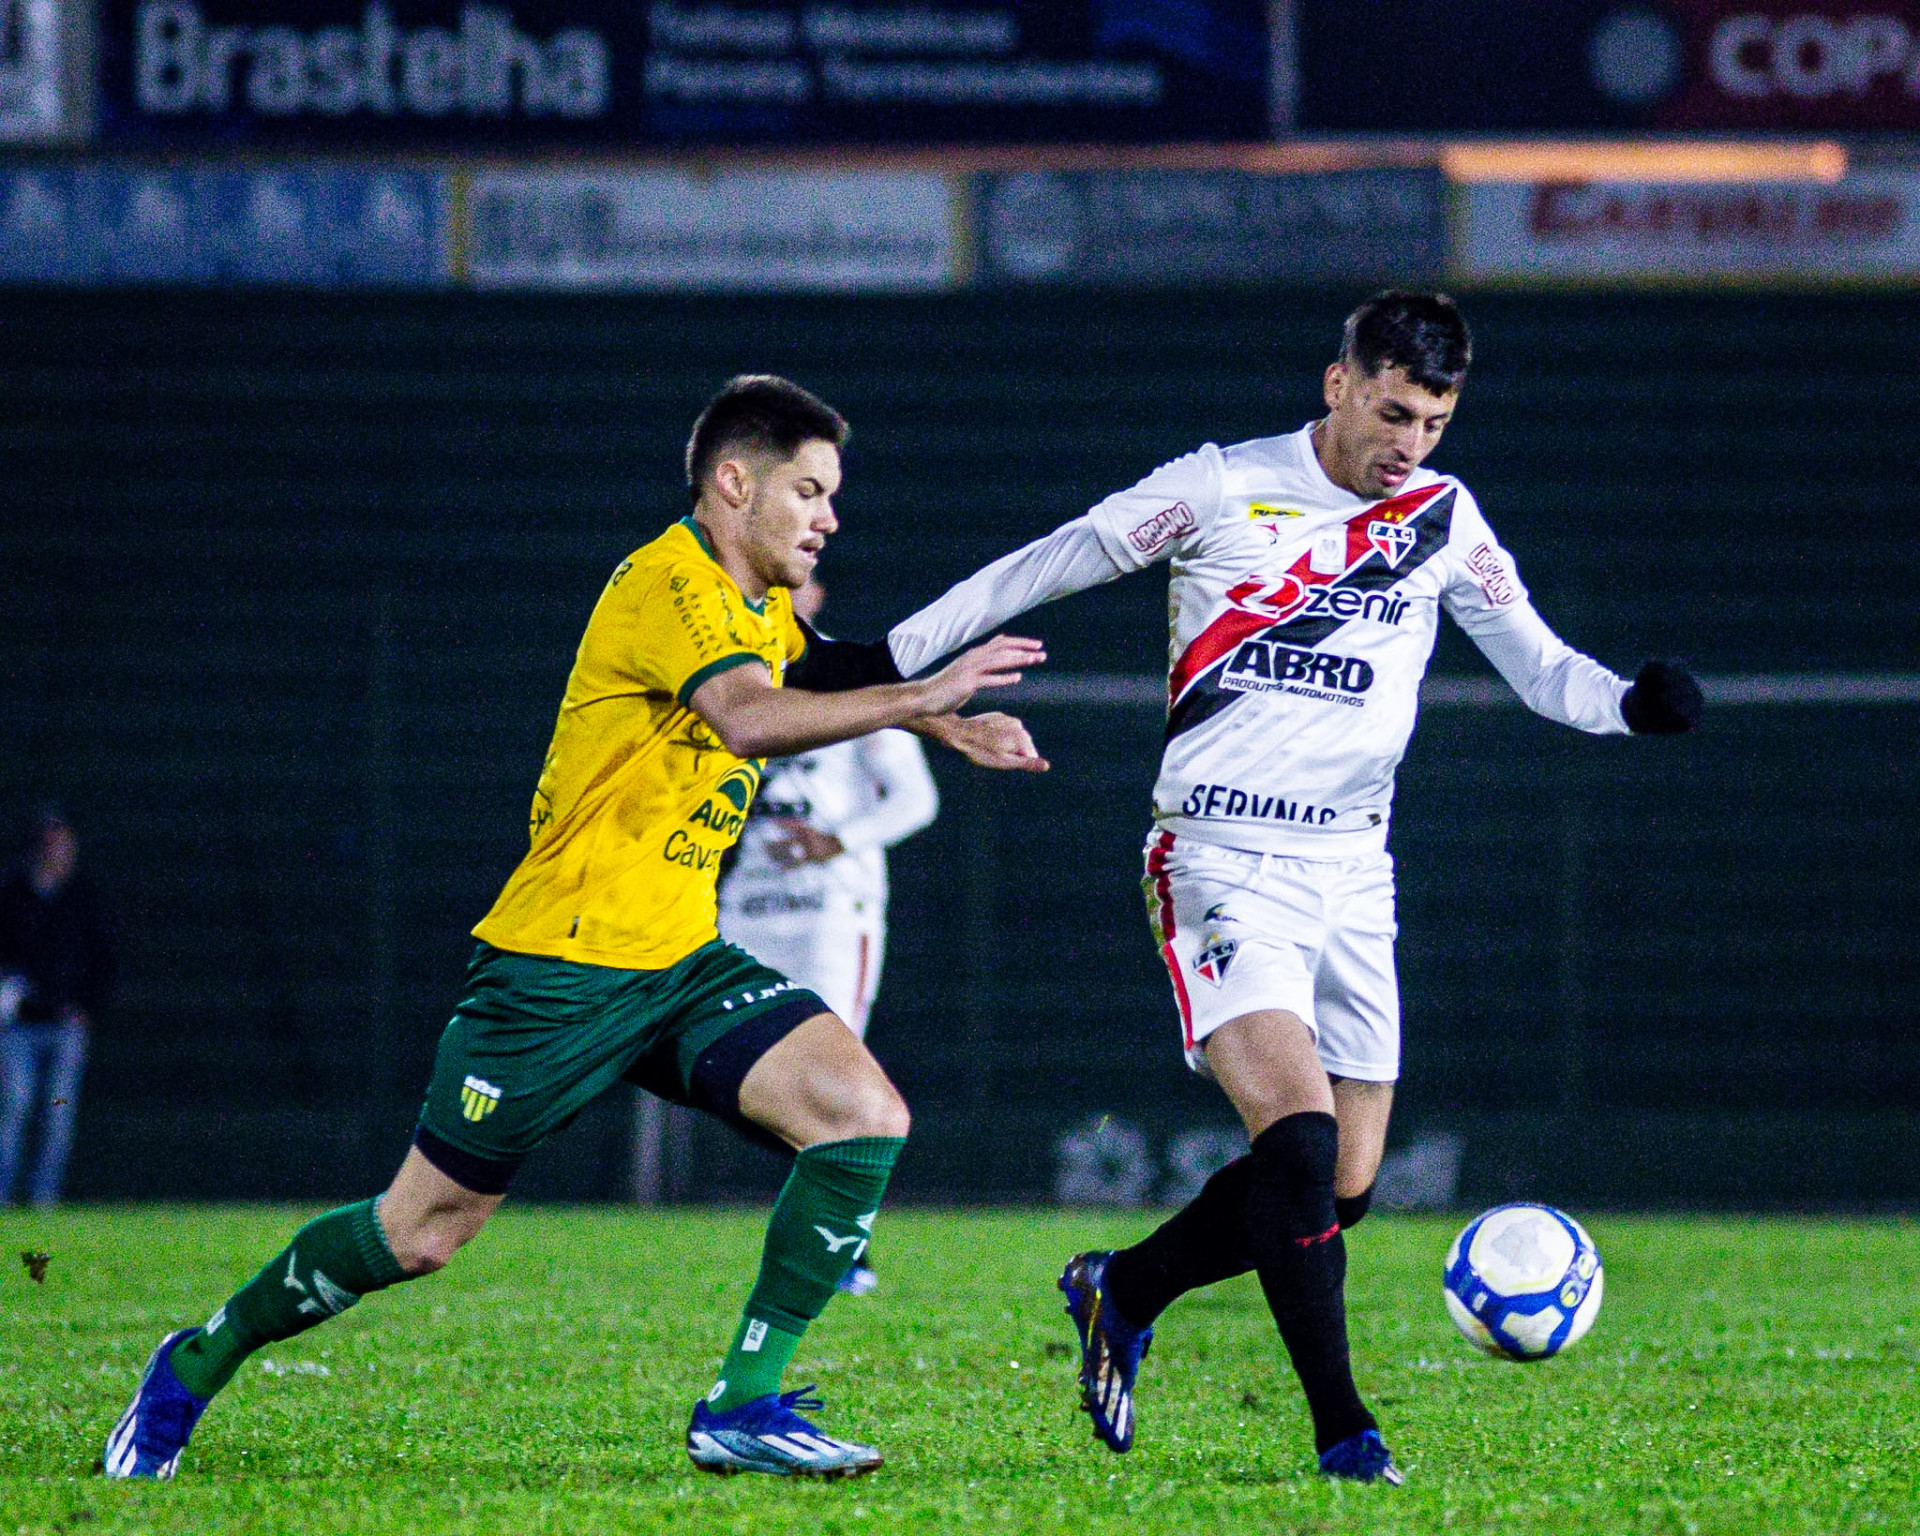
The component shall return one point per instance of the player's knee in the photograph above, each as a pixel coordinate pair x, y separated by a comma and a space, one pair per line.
880, 1111
427, 1248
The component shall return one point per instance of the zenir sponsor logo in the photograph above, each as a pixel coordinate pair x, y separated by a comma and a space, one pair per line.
1345, 603
478, 1098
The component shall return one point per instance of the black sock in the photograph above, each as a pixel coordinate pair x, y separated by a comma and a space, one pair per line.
1293, 1238
1348, 1209
1198, 1245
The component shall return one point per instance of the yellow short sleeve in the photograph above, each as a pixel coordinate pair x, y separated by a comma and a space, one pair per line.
697, 633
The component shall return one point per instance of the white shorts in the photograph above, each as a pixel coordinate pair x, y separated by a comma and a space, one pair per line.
829, 953
1246, 932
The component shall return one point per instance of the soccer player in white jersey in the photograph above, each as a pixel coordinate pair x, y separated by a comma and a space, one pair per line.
808, 892
1309, 574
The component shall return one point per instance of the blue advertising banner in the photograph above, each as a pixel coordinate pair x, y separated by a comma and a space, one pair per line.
607, 73
1185, 228
1409, 66
301, 226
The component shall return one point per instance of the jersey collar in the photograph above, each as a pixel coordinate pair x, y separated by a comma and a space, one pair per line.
706, 548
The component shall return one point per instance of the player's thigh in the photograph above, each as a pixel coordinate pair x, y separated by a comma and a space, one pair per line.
1363, 1110
750, 1046
1356, 983
1269, 1068
820, 1083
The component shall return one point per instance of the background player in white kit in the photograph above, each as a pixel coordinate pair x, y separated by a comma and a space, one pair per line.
808, 893
1309, 572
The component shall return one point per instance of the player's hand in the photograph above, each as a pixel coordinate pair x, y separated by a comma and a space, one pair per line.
800, 844
997, 664
990, 740
1663, 701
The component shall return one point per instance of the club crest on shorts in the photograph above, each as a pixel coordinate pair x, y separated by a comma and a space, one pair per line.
478, 1098
1212, 961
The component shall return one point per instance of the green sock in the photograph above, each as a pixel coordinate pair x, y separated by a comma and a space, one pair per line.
331, 1263
820, 1226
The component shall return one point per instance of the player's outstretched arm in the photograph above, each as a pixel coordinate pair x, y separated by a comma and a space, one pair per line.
753, 718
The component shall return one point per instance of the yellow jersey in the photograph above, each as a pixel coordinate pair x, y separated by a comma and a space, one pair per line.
638, 800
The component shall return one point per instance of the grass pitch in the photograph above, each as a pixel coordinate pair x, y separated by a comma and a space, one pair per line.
1744, 1376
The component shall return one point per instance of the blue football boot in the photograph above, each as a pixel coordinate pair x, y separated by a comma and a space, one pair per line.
152, 1433
1111, 1350
768, 1435
1362, 1458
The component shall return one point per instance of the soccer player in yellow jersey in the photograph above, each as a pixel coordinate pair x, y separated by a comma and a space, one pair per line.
601, 961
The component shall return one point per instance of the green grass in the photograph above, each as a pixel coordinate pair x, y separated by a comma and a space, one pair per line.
1745, 1376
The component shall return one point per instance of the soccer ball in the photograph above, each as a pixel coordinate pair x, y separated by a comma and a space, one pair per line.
1523, 1281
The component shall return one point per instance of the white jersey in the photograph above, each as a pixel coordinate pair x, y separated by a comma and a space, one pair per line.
870, 793
1302, 618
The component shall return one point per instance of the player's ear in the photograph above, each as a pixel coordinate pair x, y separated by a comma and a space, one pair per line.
733, 479
1333, 386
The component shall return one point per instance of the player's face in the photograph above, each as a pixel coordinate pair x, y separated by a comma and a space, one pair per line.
1380, 427
790, 513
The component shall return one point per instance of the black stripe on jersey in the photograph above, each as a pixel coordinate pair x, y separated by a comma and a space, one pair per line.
1205, 698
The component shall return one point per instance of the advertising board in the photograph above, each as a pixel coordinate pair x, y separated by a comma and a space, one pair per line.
1194, 227
1491, 66
301, 226
1865, 228
513, 73
37, 68
760, 231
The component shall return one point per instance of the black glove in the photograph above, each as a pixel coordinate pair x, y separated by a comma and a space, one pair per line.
1663, 701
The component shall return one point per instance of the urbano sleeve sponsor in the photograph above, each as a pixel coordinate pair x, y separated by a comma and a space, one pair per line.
1164, 515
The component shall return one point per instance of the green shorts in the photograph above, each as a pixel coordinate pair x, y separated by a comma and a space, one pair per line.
535, 1040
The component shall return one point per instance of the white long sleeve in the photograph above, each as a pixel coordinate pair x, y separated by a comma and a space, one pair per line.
1070, 559
904, 796
1551, 677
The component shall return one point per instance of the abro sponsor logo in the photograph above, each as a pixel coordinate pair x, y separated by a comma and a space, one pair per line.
1160, 530
1813, 56
487, 68
1266, 666
1223, 800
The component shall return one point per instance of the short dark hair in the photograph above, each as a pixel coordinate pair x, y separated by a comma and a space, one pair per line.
1423, 333
759, 411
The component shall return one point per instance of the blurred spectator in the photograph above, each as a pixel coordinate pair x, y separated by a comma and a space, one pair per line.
56, 967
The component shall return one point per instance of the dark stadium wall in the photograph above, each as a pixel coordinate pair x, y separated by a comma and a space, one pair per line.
289, 587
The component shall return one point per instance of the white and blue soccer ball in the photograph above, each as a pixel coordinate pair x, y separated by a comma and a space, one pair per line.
1523, 1281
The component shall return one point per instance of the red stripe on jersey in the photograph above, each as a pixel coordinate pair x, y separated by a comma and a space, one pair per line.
1325, 1237
1213, 642
1269, 601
